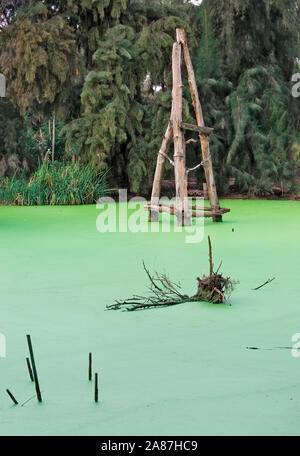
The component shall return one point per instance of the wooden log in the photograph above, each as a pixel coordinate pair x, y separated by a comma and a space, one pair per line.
182, 212
205, 214
204, 130
199, 212
159, 171
192, 207
224, 210
160, 208
208, 168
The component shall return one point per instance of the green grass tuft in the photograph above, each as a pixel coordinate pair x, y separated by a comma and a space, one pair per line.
54, 184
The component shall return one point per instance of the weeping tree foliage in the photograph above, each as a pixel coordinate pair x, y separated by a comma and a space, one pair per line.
89, 20
11, 157
260, 152
157, 114
37, 58
247, 94
132, 59
265, 32
111, 111
105, 67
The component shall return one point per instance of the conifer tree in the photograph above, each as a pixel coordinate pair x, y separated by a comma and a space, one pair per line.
262, 32
250, 105
106, 64
11, 157
135, 48
37, 58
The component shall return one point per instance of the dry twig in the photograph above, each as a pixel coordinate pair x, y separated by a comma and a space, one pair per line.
266, 283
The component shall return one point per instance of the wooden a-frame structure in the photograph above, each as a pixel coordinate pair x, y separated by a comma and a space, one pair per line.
182, 210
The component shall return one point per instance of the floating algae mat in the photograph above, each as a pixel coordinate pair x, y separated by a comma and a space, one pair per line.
182, 370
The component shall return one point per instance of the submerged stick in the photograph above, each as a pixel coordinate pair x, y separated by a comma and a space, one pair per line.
266, 283
96, 387
211, 266
12, 397
90, 366
36, 380
32, 397
29, 369
273, 348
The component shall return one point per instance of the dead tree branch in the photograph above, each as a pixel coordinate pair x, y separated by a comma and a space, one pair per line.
164, 292
266, 283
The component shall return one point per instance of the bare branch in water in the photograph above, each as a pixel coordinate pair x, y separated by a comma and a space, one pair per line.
164, 292
266, 283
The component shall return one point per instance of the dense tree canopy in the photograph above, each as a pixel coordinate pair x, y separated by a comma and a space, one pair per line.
257, 43
37, 57
104, 66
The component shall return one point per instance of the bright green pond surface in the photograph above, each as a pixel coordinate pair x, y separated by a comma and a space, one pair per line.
180, 370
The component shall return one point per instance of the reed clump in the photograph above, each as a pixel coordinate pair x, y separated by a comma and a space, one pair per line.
54, 184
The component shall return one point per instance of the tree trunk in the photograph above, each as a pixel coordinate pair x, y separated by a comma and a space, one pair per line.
155, 195
204, 139
181, 207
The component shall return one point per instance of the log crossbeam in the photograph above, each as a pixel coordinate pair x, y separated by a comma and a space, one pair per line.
191, 206
204, 130
192, 211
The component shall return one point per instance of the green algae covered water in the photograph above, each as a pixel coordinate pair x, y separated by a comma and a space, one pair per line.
183, 370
